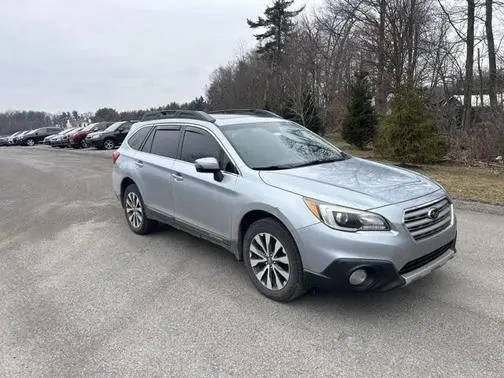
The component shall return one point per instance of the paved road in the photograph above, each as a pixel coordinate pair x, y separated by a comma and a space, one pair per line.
82, 295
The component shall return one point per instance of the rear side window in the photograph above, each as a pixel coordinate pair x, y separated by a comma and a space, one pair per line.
165, 142
199, 145
136, 140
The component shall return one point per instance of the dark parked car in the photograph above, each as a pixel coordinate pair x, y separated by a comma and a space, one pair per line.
78, 140
37, 135
61, 139
111, 137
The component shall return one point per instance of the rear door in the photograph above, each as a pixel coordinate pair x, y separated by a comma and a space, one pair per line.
199, 199
155, 162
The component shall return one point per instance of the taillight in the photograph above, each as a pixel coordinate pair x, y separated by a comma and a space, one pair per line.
115, 156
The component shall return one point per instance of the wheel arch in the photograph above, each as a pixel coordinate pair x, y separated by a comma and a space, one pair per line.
252, 216
124, 184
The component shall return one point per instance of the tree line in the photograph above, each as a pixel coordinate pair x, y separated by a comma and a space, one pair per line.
310, 67
13, 121
380, 71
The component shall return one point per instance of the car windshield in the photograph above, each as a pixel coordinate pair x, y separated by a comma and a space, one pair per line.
89, 127
113, 127
67, 131
279, 145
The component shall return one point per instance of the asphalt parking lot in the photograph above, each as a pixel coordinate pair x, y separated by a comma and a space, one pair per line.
80, 294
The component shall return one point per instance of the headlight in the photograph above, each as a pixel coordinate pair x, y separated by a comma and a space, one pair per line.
346, 219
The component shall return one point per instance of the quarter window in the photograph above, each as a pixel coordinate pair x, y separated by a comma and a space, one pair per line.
136, 140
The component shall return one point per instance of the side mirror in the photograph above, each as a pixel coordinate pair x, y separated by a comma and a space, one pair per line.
209, 165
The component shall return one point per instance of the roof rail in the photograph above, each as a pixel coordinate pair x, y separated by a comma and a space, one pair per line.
253, 112
191, 114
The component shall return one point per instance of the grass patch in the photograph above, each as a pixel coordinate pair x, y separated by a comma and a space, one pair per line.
481, 184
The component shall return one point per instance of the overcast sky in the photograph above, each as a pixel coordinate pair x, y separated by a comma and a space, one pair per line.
60, 55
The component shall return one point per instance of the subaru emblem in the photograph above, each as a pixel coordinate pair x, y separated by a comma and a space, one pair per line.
433, 213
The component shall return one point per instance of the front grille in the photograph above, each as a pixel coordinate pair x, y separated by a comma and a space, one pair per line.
421, 222
421, 261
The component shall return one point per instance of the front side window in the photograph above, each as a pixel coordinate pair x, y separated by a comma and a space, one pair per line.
136, 140
279, 145
165, 142
198, 145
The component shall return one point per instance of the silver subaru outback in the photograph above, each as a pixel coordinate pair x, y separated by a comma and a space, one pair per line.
298, 211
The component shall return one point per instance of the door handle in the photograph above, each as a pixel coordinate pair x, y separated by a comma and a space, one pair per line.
139, 163
177, 177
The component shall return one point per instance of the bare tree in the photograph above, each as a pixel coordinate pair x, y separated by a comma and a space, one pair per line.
381, 95
492, 66
480, 74
468, 82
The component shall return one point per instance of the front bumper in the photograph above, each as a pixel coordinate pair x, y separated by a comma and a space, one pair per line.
381, 274
393, 257
91, 142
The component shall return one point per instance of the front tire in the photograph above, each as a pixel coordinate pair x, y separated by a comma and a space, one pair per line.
134, 210
272, 260
30, 142
83, 144
108, 144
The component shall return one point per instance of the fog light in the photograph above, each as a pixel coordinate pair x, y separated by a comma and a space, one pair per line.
358, 277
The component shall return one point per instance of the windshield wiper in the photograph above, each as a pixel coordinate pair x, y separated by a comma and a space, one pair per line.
299, 165
320, 161
275, 167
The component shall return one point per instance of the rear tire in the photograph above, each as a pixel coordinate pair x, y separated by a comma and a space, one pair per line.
83, 144
134, 210
272, 260
30, 142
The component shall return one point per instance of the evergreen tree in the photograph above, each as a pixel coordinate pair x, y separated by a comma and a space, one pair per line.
360, 123
278, 22
104, 114
409, 134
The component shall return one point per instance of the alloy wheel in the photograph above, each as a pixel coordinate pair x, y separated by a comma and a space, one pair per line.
30, 142
84, 144
269, 261
108, 144
134, 210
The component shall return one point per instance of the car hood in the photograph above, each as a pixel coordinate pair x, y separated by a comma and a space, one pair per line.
90, 135
353, 182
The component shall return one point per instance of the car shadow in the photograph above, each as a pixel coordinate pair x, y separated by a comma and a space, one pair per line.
399, 300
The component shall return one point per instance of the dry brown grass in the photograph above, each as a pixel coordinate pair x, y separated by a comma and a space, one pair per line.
482, 184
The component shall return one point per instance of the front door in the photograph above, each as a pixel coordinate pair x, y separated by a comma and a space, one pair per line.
199, 199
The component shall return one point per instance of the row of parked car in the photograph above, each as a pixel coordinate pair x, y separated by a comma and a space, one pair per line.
102, 135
